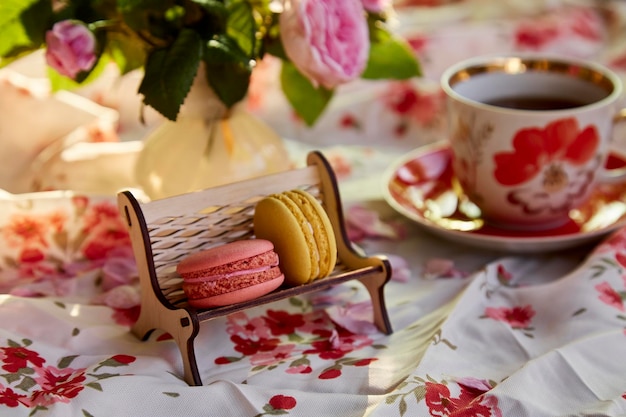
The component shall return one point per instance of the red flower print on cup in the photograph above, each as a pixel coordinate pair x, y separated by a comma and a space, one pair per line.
534, 36
516, 317
549, 156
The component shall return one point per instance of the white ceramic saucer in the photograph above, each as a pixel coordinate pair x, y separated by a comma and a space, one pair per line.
422, 187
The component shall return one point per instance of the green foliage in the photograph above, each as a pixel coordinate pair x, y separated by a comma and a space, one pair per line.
169, 73
390, 57
23, 25
169, 39
307, 100
228, 69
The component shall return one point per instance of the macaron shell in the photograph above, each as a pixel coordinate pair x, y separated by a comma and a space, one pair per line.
322, 230
238, 296
275, 220
222, 255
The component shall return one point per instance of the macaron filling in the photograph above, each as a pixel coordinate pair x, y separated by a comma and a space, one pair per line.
198, 288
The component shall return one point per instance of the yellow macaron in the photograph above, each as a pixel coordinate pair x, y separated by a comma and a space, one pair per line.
298, 226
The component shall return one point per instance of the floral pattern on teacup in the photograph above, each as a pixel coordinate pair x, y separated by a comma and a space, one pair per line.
470, 139
559, 160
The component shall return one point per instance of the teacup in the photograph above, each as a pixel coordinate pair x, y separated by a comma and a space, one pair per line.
530, 135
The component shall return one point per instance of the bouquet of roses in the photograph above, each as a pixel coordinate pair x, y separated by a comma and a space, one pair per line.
322, 44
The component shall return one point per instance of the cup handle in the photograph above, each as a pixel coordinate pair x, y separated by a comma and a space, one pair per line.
615, 175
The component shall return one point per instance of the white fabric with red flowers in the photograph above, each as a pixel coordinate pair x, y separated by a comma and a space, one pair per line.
476, 333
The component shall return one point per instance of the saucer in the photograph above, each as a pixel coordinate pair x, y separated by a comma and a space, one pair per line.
422, 187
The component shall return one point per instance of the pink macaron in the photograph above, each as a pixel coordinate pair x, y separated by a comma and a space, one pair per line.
231, 273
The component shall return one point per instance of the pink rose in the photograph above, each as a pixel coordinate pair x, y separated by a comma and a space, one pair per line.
327, 40
71, 48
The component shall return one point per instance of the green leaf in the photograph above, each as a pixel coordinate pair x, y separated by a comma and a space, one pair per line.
169, 73
94, 385
23, 24
171, 394
309, 102
402, 406
241, 27
13, 344
228, 69
66, 361
390, 57
420, 393
12, 377
26, 384
213, 7
10, 10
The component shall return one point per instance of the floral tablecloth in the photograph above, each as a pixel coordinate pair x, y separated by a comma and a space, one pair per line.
476, 333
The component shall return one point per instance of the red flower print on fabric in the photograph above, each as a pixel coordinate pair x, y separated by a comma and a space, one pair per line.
349, 121
282, 402
278, 404
470, 403
277, 355
283, 323
610, 296
336, 344
251, 347
544, 157
409, 103
295, 340
16, 358
32, 383
106, 231
516, 317
330, 373
58, 385
12, 399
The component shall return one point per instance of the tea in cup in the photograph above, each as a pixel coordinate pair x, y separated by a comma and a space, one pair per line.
530, 135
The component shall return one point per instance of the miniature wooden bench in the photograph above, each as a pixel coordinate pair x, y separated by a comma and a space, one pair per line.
164, 231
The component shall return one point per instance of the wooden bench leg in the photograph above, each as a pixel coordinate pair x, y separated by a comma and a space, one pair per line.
182, 326
142, 328
184, 336
375, 284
